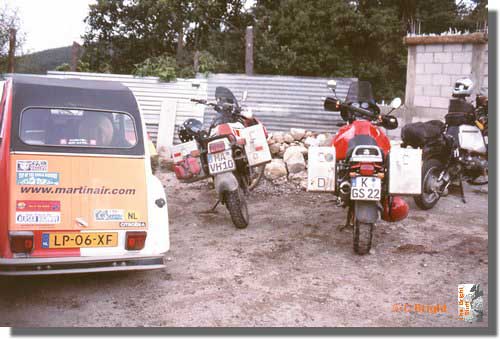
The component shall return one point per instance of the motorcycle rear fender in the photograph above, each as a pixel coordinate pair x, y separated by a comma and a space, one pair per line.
225, 182
366, 211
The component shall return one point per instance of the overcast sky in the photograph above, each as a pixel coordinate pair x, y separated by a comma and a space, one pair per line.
50, 23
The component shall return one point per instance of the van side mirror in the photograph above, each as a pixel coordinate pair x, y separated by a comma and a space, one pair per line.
331, 84
331, 105
396, 103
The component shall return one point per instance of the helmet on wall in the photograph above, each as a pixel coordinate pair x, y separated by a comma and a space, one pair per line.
397, 211
189, 129
463, 87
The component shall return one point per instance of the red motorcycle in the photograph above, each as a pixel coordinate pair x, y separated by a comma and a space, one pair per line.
360, 168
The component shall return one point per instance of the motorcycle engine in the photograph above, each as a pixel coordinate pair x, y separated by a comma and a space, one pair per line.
474, 166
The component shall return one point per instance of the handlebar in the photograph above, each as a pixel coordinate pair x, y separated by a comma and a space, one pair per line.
358, 110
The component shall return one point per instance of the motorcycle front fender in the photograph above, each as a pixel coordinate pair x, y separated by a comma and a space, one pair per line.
225, 182
366, 211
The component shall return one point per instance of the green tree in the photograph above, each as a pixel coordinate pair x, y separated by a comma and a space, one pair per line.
332, 39
8, 20
122, 33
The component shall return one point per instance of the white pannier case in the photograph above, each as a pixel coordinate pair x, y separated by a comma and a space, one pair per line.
256, 146
405, 171
471, 139
181, 151
321, 169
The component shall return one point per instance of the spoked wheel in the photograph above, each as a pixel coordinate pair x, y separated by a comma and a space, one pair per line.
430, 185
362, 234
237, 207
256, 174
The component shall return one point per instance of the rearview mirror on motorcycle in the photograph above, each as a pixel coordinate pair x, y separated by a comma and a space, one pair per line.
396, 103
332, 84
331, 104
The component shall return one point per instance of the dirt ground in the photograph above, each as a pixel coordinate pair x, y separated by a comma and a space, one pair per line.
290, 267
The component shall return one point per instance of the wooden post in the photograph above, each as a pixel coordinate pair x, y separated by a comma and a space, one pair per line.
196, 64
12, 50
249, 51
75, 55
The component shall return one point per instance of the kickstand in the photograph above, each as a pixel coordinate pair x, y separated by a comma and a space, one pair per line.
215, 206
348, 222
462, 193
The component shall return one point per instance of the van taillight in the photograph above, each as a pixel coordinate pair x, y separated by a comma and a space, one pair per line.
21, 242
135, 241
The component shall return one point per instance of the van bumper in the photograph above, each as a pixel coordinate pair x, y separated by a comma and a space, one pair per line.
72, 265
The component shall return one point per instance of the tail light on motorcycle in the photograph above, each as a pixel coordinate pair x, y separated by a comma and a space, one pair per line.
216, 147
366, 169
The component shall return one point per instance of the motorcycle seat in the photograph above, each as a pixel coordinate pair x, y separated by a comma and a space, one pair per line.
358, 140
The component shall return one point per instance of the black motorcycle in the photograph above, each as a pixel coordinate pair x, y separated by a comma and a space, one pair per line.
453, 152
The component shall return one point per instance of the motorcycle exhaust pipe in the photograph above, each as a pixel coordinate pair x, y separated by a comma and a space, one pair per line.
345, 187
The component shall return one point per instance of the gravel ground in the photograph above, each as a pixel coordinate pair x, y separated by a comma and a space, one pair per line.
290, 267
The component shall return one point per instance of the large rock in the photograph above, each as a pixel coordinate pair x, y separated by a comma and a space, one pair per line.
278, 137
274, 148
275, 169
297, 133
288, 138
311, 141
294, 159
324, 139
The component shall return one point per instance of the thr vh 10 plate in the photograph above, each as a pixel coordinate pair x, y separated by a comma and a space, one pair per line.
221, 162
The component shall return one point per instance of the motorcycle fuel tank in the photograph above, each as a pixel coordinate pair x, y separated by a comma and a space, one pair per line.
359, 127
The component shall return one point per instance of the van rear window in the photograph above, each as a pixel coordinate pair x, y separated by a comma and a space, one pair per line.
77, 128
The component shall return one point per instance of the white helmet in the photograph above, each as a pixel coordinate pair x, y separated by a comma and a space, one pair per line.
463, 87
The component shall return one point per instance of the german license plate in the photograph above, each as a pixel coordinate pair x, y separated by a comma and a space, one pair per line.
221, 162
79, 240
365, 188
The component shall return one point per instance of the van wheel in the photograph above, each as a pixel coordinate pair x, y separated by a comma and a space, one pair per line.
363, 234
430, 174
237, 207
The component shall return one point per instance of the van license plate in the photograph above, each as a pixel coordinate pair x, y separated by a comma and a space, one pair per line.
221, 162
365, 188
79, 240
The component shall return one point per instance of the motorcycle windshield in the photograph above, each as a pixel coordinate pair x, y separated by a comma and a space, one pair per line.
224, 95
360, 91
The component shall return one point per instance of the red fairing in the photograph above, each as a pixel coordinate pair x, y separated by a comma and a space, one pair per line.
359, 127
224, 129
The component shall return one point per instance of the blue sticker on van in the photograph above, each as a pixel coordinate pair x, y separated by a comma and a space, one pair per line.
37, 178
45, 240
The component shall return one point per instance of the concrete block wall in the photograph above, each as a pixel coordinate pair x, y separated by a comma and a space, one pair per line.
434, 64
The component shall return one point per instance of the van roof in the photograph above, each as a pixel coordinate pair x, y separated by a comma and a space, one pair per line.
43, 91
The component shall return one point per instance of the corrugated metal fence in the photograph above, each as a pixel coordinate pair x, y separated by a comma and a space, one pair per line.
281, 102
